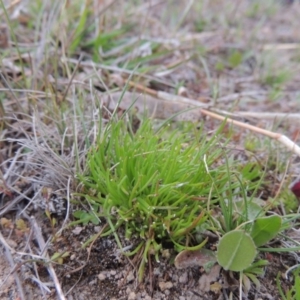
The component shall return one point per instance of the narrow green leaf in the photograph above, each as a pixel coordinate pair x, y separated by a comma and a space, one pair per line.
79, 30
297, 287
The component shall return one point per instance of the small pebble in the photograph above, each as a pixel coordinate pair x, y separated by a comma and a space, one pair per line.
165, 285
130, 277
132, 296
11, 243
92, 282
77, 230
101, 276
97, 229
183, 278
156, 271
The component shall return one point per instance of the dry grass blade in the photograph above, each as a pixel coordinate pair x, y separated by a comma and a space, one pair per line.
289, 117
287, 46
42, 244
8, 253
12, 204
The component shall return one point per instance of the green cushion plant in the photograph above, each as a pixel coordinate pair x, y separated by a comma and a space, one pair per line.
159, 185
166, 185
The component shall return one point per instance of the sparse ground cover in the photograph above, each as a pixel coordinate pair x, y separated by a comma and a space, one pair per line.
117, 181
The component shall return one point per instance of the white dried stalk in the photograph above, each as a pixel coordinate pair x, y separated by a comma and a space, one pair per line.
274, 135
42, 244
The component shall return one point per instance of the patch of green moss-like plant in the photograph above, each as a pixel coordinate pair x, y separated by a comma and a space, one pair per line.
164, 185
159, 185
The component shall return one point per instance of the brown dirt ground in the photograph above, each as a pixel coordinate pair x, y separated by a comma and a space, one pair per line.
101, 272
